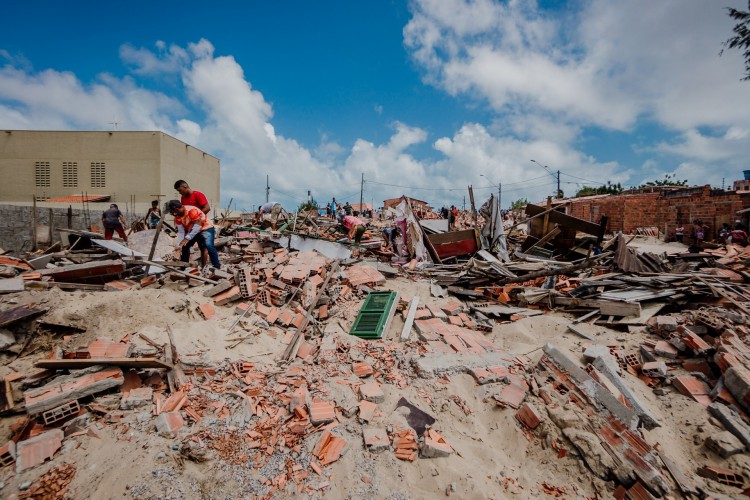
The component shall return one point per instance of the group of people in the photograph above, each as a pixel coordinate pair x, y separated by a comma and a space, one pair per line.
450, 214
698, 230
191, 219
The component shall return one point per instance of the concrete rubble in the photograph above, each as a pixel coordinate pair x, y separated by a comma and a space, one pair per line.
308, 366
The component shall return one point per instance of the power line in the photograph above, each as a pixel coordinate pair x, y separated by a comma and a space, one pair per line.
581, 178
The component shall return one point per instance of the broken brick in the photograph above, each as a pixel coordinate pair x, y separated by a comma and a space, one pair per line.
362, 369
169, 423
372, 392
36, 450
207, 310
434, 445
376, 439
321, 412
529, 415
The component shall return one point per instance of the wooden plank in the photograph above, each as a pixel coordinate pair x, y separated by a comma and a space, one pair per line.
168, 266
74, 364
19, 313
606, 307
389, 319
406, 331
577, 330
560, 218
683, 482
179, 376
156, 238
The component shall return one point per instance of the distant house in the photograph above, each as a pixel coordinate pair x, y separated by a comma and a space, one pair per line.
420, 207
361, 208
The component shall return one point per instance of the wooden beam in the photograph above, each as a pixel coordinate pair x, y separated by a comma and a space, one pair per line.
75, 364
406, 331
606, 307
156, 239
171, 268
567, 221
545, 225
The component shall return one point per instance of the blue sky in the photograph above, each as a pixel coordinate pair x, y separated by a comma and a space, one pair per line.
424, 97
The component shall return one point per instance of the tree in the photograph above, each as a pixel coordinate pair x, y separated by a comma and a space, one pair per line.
607, 188
308, 205
741, 38
668, 180
519, 204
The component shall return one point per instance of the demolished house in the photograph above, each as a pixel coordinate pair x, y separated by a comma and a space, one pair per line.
529, 357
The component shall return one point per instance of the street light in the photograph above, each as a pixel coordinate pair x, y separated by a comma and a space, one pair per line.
499, 191
545, 167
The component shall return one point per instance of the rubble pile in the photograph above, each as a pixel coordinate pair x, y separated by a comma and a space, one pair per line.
309, 367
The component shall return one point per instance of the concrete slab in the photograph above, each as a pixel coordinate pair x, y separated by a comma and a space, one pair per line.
435, 365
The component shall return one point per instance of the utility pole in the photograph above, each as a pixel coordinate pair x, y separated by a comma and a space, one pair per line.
499, 195
268, 189
464, 209
558, 185
361, 194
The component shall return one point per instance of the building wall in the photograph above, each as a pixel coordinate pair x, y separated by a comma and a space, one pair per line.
16, 222
138, 166
664, 210
200, 170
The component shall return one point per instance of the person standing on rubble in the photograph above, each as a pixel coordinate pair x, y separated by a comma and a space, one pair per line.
738, 236
192, 198
193, 226
113, 220
453, 212
355, 227
332, 208
153, 216
272, 208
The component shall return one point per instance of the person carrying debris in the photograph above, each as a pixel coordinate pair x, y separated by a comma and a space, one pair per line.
193, 226
355, 227
153, 216
272, 208
389, 238
738, 236
193, 198
113, 220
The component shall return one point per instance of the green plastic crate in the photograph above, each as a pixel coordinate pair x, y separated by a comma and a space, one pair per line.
374, 315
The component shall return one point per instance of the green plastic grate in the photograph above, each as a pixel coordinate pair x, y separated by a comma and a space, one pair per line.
374, 314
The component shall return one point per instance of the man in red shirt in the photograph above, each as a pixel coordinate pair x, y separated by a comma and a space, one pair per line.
192, 198
193, 226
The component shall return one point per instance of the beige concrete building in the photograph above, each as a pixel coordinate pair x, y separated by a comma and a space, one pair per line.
127, 168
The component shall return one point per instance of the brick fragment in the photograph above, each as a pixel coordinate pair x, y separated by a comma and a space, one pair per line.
231, 295
300, 397
434, 445
207, 310
725, 444
657, 369
321, 412
372, 392
36, 450
529, 415
362, 369
665, 349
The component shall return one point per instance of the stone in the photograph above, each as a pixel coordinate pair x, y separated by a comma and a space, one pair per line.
434, 445
7, 339
725, 444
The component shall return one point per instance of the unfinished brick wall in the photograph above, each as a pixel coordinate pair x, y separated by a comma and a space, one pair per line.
666, 209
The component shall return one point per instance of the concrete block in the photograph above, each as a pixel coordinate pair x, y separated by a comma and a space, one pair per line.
737, 380
665, 350
725, 444
169, 423
135, 398
732, 421
656, 369
376, 439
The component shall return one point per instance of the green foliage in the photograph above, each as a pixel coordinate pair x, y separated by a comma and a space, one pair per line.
668, 180
741, 38
519, 204
608, 188
308, 205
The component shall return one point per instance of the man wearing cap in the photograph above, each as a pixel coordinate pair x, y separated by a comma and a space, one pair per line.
193, 226
112, 220
193, 198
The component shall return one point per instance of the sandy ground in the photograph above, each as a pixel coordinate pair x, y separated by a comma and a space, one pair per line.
493, 457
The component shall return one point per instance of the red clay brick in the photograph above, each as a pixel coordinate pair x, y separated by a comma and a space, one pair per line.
36, 450
362, 370
207, 310
322, 412
529, 415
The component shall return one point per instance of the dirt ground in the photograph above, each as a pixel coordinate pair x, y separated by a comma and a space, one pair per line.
493, 457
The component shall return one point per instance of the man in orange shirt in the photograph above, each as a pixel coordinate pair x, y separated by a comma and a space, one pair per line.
193, 198
193, 226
